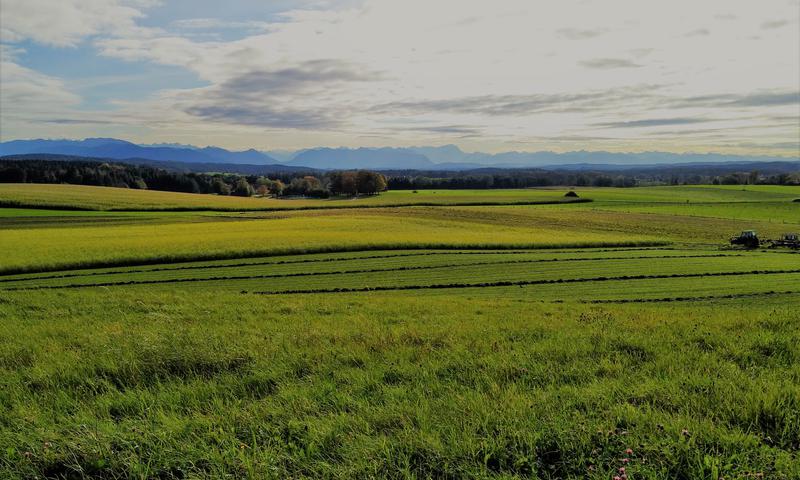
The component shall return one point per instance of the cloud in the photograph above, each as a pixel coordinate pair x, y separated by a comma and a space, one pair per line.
608, 63
279, 98
652, 122
772, 24
217, 24
581, 34
513, 105
265, 116
75, 121
447, 129
331, 71
25, 92
754, 99
789, 146
65, 23
315, 73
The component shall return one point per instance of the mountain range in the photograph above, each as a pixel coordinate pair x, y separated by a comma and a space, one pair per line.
120, 149
448, 157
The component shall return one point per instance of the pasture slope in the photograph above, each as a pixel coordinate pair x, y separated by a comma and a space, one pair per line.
447, 334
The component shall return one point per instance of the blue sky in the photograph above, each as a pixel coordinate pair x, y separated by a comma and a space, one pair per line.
99, 80
623, 75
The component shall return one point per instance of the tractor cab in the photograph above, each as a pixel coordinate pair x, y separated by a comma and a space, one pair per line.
747, 239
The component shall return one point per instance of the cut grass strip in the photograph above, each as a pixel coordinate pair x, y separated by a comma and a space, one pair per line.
521, 282
208, 265
347, 272
196, 257
692, 298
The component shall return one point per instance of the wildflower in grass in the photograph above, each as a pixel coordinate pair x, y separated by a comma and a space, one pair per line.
626, 460
628, 451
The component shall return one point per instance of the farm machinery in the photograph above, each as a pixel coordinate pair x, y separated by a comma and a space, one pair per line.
749, 239
787, 240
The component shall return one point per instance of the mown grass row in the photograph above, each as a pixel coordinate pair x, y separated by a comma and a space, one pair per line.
433, 269
214, 271
513, 283
615, 290
208, 256
696, 298
293, 261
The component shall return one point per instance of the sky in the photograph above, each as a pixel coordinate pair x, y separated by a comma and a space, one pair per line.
527, 75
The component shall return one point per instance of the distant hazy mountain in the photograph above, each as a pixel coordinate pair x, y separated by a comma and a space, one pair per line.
120, 149
447, 157
452, 154
283, 156
377, 158
580, 160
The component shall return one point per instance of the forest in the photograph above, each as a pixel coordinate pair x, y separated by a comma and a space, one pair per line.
323, 184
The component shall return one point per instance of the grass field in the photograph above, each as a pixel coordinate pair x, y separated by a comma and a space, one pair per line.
555, 341
101, 198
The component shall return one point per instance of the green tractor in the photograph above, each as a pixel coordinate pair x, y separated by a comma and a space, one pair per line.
747, 239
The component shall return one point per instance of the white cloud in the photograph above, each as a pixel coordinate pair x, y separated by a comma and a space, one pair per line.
455, 60
64, 23
25, 91
216, 24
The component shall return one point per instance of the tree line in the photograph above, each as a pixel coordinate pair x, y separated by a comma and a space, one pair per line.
108, 174
542, 178
80, 171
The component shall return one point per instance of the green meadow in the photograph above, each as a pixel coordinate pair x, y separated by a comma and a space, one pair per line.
437, 334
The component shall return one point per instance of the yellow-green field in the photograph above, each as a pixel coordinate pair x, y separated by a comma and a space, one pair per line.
446, 334
103, 198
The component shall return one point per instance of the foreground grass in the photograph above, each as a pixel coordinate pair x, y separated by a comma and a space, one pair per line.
143, 383
191, 378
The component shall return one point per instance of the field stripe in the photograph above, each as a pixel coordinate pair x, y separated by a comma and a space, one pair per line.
692, 299
524, 282
337, 259
175, 259
347, 272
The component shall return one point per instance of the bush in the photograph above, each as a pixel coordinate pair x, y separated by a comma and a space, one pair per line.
571, 194
318, 193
